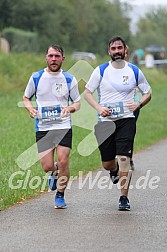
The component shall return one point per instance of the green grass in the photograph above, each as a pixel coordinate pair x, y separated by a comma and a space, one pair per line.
151, 125
17, 129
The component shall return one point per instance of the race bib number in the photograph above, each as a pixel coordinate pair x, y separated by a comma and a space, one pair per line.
117, 109
51, 113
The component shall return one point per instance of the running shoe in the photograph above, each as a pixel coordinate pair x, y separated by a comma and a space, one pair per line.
114, 175
52, 180
59, 201
132, 165
124, 204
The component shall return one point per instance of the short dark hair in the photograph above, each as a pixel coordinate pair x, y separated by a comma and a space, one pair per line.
116, 38
56, 47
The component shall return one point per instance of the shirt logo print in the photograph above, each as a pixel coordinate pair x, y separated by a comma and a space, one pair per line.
58, 87
125, 80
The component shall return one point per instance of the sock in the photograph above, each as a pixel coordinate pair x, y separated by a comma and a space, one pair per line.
61, 194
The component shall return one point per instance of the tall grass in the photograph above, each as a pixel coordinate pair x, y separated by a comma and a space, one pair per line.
17, 129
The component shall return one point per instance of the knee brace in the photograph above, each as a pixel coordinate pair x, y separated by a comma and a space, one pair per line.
124, 163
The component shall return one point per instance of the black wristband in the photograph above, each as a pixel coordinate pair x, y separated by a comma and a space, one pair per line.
140, 105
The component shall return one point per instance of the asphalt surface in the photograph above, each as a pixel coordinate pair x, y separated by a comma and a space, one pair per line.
92, 222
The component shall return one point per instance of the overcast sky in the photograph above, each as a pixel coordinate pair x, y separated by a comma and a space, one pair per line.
140, 8
143, 2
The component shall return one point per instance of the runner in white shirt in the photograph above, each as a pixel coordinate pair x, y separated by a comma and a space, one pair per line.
116, 82
57, 96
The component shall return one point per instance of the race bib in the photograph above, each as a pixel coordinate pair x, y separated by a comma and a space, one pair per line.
117, 109
51, 113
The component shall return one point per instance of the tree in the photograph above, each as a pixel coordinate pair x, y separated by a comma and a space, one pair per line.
75, 24
152, 28
5, 13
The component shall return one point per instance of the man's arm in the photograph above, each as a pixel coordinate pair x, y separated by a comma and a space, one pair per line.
70, 109
74, 107
132, 106
144, 99
75, 96
28, 105
100, 109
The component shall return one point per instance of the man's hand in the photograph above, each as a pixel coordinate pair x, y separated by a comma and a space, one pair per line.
33, 113
103, 111
65, 112
132, 106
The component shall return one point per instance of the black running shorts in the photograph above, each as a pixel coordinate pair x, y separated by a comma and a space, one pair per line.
120, 142
49, 139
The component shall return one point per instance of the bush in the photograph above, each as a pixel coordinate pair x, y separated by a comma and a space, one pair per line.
21, 41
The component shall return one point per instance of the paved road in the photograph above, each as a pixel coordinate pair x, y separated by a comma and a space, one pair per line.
92, 222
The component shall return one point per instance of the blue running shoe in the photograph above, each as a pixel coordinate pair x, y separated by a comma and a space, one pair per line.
114, 175
52, 180
59, 201
124, 204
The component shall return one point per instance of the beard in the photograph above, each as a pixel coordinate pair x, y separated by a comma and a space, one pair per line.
118, 57
54, 67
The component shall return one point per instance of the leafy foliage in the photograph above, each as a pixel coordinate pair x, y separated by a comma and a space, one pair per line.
76, 24
20, 40
152, 29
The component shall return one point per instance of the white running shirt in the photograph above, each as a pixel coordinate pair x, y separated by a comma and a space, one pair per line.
116, 88
52, 95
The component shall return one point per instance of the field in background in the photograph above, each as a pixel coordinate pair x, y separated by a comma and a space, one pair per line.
17, 129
